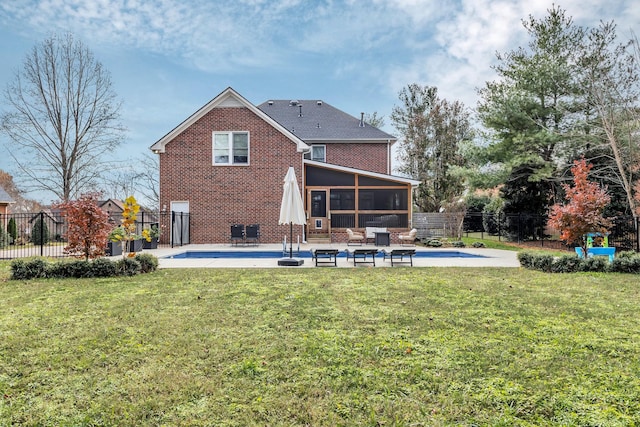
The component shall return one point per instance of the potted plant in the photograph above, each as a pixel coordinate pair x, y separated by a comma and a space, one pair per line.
151, 236
114, 245
132, 241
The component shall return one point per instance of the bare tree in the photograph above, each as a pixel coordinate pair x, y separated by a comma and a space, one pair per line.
612, 87
64, 117
142, 180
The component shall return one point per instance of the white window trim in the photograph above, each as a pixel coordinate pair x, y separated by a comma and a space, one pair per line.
230, 133
324, 159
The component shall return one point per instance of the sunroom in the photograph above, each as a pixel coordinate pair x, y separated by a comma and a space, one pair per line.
338, 198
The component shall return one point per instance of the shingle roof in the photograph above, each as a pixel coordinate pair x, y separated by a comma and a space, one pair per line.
5, 197
317, 120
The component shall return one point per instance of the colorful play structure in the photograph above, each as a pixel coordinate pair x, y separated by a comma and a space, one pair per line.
597, 245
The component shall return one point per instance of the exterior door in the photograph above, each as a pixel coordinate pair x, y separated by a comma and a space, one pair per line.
180, 223
319, 223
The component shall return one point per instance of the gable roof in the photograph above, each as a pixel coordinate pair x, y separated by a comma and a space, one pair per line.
227, 98
5, 198
315, 120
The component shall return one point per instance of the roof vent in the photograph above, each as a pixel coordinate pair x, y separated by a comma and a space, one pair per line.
300, 113
270, 102
361, 120
318, 103
293, 102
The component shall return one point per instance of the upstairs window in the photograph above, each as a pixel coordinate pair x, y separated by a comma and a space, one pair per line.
231, 148
318, 153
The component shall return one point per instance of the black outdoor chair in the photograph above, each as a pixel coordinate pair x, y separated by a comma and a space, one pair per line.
237, 233
252, 234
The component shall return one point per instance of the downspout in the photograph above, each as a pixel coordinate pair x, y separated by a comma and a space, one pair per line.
388, 157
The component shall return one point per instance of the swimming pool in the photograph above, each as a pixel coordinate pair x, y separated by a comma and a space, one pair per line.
304, 254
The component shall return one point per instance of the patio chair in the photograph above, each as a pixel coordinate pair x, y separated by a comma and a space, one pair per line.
252, 234
354, 237
237, 233
409, 238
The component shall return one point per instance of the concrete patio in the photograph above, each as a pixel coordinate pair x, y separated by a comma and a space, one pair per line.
490, 257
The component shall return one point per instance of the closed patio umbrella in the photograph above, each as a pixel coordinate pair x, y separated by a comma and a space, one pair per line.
292, 208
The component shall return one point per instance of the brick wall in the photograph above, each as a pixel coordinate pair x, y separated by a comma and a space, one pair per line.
371, 157
220, 196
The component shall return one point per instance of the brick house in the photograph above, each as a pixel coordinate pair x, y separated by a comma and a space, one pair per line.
225, 165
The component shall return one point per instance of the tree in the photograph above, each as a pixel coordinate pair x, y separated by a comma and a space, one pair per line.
88, 224
40, 231
22, 205
374, 120
572, 92
64, 117
530, 111
143, 178
433, 131
611, 76
582, 213
12, 229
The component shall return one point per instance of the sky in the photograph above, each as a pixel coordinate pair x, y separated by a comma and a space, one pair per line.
167, 58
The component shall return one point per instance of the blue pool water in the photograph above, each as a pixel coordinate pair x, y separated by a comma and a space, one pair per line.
304, 254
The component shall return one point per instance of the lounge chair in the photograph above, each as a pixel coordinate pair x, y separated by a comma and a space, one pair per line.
252, 234
399, 255
354, 237
237, 233
325, 256
360, 256
408, 238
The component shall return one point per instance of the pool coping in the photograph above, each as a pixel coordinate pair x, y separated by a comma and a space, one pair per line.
490, 257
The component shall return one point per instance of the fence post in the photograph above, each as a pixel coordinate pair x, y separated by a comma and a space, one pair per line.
41, 233
173, 230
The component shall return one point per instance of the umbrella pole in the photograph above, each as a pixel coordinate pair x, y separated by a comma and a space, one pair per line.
291, 241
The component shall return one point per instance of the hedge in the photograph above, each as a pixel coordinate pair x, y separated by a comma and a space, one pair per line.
37, 268
624, 262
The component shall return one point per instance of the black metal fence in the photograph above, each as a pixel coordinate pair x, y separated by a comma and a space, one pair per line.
44, 233
533, 229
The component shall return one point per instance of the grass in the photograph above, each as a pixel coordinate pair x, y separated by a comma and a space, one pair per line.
284, 347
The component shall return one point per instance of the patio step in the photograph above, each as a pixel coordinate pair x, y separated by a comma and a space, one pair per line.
319, 239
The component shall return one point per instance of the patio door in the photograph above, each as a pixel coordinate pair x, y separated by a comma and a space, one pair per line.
319, 222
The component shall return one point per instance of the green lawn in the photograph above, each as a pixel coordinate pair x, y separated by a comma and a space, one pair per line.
322, 347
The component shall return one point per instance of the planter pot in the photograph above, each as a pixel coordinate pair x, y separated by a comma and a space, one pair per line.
113, 249
133, 245
153, 244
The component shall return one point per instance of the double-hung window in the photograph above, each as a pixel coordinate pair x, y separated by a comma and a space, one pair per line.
231, 148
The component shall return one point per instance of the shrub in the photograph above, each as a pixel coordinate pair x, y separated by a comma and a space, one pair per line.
128, 267
458, 244
478, 244
435, 243
626, 262
148, 262
33, 268
5, 239
543, 262
596, 263
12, 229
526, 259
536, 261
75, 268
567, 264
40, 232
103, 267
